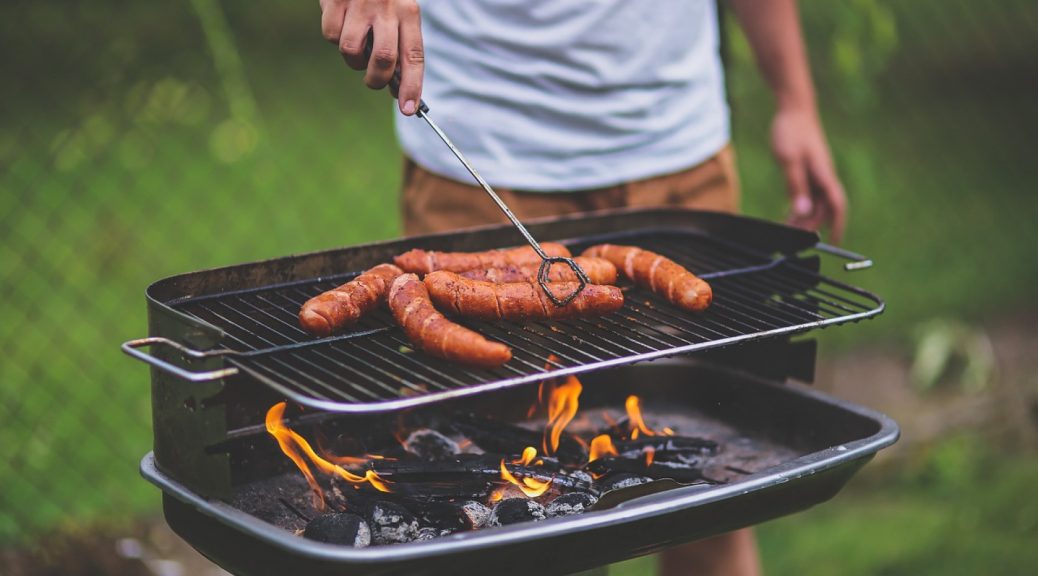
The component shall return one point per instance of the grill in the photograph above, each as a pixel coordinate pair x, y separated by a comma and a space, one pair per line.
226, 346
372, 368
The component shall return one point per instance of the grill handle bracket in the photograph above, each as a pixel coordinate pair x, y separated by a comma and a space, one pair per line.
857, 261
132, 348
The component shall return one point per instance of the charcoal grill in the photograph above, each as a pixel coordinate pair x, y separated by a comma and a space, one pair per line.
226, 346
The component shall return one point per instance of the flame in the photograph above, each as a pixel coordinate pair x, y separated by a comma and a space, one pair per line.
291, 443
667, 430
650, 455
276, 427
552, 359
531, 487
634, 415
601, 445
562, 406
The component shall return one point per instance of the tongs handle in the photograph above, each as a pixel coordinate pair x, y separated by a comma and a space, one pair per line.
546, 261
131, 348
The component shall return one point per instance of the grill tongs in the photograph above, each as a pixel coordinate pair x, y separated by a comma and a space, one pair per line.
546, 261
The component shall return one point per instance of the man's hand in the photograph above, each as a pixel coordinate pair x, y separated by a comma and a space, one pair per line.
397, 31
815, 192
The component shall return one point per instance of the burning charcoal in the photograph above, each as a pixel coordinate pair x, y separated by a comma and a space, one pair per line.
464, 468
677, 471
621, 480
572, 503
504, 438
475, 514
392, 524
684, 444
427, 533
515, 510
430, 445
339, 528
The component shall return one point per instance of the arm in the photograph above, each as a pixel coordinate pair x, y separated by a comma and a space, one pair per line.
396, 28
797, 138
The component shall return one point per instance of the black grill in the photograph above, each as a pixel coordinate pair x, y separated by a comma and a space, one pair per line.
373, 368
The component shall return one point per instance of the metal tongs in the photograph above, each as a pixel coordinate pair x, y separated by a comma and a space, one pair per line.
546, 261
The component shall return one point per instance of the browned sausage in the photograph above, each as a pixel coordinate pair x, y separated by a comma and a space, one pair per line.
434, 334
517, 300
598, 270
657, 273
426, 261
344, 305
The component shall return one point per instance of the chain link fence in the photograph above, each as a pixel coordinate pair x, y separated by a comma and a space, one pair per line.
140, 140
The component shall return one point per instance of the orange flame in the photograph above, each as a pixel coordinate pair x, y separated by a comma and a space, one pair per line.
291, 443
634, 415
601, 445
562, 406
650, 455
531, 487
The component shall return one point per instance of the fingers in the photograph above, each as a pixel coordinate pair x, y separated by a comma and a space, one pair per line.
412, 59
333, 12
802, 207
830, 194
382, 63
354, 37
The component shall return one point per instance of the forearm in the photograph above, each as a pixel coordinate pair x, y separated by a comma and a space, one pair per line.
773, 30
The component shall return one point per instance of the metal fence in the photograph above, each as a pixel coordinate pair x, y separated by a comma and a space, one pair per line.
139, 140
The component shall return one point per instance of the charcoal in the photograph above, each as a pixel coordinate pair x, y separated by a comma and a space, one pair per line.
339, 528
430, 445
677, 471
504, 438
391, 523
685, 444
476, 515
515, 510
621, 480
568, 504
470, 468
581, 476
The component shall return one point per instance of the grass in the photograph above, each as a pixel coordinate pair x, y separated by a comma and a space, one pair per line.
122, 162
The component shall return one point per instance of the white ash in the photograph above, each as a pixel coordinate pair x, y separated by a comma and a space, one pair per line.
621, 480
427, 533
581, 476
569, 504
392, 524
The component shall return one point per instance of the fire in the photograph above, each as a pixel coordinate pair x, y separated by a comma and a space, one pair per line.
634, 415
562, 406
650, 454
292, 443
601, 445
531, 487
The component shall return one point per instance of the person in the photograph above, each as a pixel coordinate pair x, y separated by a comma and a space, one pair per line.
578, 105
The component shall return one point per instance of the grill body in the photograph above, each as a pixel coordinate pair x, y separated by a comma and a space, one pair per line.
209, 439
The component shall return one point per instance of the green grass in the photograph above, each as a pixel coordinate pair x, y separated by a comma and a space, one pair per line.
121, 163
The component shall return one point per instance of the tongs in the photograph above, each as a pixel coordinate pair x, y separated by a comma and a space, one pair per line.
546, 261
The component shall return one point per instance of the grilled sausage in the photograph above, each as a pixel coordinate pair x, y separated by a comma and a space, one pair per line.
426, 261
517, 300
598, 270
657, 273
434, 334
344, 305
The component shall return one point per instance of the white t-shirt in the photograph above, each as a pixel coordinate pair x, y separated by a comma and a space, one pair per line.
561, 95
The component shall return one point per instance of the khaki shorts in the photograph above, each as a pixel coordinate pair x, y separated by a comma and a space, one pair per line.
432, 203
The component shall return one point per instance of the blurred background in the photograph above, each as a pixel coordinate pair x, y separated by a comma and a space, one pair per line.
140, 140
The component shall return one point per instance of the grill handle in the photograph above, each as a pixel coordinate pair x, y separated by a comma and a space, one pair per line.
857, 261
132, 348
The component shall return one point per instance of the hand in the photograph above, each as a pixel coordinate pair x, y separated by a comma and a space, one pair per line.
815, 192
397, 30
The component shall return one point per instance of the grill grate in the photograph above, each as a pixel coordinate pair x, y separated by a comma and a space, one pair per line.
372, 367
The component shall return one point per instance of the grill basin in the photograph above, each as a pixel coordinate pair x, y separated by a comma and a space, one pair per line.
826, 441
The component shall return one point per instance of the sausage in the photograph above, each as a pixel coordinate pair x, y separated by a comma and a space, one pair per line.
657, 273
517, 300
426, 261
434, 334
598, 270
344, 305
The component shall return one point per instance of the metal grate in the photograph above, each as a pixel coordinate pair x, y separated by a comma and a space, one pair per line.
373, 368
